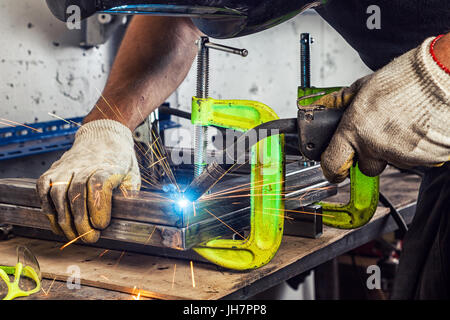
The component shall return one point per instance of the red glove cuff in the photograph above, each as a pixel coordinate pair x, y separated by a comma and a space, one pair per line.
447, 70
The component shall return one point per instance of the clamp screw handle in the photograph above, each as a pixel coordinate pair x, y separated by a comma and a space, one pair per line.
204, 41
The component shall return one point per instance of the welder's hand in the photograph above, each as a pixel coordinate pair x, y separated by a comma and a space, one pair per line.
398, 115
76, 191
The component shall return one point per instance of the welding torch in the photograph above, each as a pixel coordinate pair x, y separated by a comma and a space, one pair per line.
315, 126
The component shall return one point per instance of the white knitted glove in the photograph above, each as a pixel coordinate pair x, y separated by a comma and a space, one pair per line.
76, 191
398, 115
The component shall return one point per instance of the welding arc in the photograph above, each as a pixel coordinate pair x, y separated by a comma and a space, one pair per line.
215, 171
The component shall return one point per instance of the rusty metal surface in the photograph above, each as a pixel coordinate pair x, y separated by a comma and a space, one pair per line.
144, 219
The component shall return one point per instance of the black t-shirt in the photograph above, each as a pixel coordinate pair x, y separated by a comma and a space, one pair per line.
403, 25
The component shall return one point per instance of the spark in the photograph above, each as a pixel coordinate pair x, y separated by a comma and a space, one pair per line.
60, 118
159, 158
192, 274
139, 110
173, 277
72, 241
97, 199
281, 215
304, 212
150, 147
224, 223
75, 198
120, 258
7, 124
165, 164
103, 253
49, 288
156, 162
237, 189
220, 178
61, 183
245, 196
104, 277
150, 236
21, 124
98, 108
124, 191
138, 297
110, 107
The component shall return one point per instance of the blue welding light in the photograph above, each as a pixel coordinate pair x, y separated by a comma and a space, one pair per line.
183, 203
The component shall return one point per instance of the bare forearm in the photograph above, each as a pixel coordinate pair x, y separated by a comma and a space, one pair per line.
154, 58
442, 50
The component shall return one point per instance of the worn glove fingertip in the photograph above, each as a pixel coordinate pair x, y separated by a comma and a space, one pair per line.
42, 189
91, 236
54, 224
339, 175
371, 167
337, 158
100, 189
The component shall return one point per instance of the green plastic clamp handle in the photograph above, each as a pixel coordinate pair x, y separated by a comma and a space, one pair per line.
267, 184
364, 190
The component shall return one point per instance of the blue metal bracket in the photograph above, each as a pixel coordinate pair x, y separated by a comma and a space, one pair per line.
20, 141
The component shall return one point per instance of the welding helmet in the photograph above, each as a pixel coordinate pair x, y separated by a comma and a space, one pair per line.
216, 18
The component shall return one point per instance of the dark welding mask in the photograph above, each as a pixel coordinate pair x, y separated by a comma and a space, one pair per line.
216, 18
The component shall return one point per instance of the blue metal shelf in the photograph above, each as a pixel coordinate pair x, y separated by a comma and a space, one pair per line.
20, 141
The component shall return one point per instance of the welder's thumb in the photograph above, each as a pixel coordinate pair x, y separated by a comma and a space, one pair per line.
337, 159
339, 156
343, 98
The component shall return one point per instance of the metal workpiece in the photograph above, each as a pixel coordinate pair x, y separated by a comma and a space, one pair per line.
5, 231
205, 181
136, 216
308, 225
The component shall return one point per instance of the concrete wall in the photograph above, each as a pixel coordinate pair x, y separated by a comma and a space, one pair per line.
42, 69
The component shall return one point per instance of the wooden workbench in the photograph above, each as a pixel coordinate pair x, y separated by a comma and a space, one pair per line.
122, 275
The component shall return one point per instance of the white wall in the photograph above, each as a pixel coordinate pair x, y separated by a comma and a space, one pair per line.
36, 75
